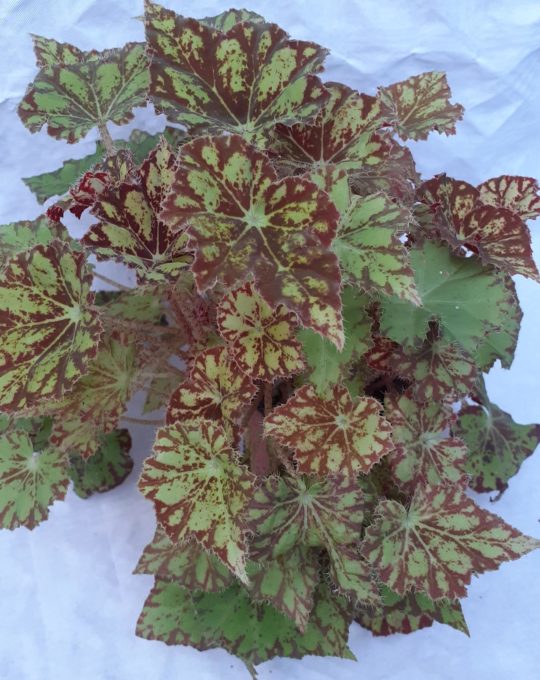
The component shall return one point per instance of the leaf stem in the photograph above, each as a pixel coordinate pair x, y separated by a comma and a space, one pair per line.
106, 139
111, 282
143, 421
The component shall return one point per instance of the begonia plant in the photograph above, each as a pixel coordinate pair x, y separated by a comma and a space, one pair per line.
311, 322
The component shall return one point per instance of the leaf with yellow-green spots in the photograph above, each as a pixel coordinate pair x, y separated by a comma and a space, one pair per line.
369, 248
474, 305
286, 512
104, 471
185, 563
327, 366
408, 614
342, 134
72, 98
243, 81
50, 52
48, 327
518, 194
352, 575
496, 234
215, 389
288, 583
438, 542
130, 230
242, 220
334, 434
199, 489
419, 105
261, 340
424, 451
252, 631
228, 19
19, 236
30, 481
497, 445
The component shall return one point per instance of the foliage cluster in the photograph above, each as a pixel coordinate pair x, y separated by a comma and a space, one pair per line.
313, 318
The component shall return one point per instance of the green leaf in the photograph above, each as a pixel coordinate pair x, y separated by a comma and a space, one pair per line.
106, 469
410, 613
288, 583
244, 221
130, 230
420, 104
497, 445
352, 575
335, 434
30, 481
19, 236
199, 489
260, 339
253, 632
48, 328
327, 366
289, 511
187, 564
243, 81
438, 543
474, 306
73, 98
424, 453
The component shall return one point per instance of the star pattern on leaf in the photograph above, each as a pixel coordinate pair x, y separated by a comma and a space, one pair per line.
289, 511
419, 105
331, 435
260, 339
199, 489
243, 81
424, 453
30, 481
243, 220
130, 230
48, 327
215, 389
439, 542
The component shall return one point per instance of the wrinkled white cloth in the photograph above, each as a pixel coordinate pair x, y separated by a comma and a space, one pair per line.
69, 600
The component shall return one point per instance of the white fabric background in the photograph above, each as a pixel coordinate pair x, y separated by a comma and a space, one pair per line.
69, 602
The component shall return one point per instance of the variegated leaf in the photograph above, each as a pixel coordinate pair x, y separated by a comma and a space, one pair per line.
253, 632
335, 434
326, 365
48, 328
439, 542
352, 575
474, 306
30, 481
130, 230
72, 98
49, 52
243, 220
410, 613
424, 454
497, 445
420, 104
215, 389
243, 81
519, 194
17, 237
228, 19
199, 489
184, 563
107, 469
286, 512
288, 583
260, 339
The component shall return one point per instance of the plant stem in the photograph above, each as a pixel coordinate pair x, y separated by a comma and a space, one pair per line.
268, 389
143, 421
111, 282
106, 139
